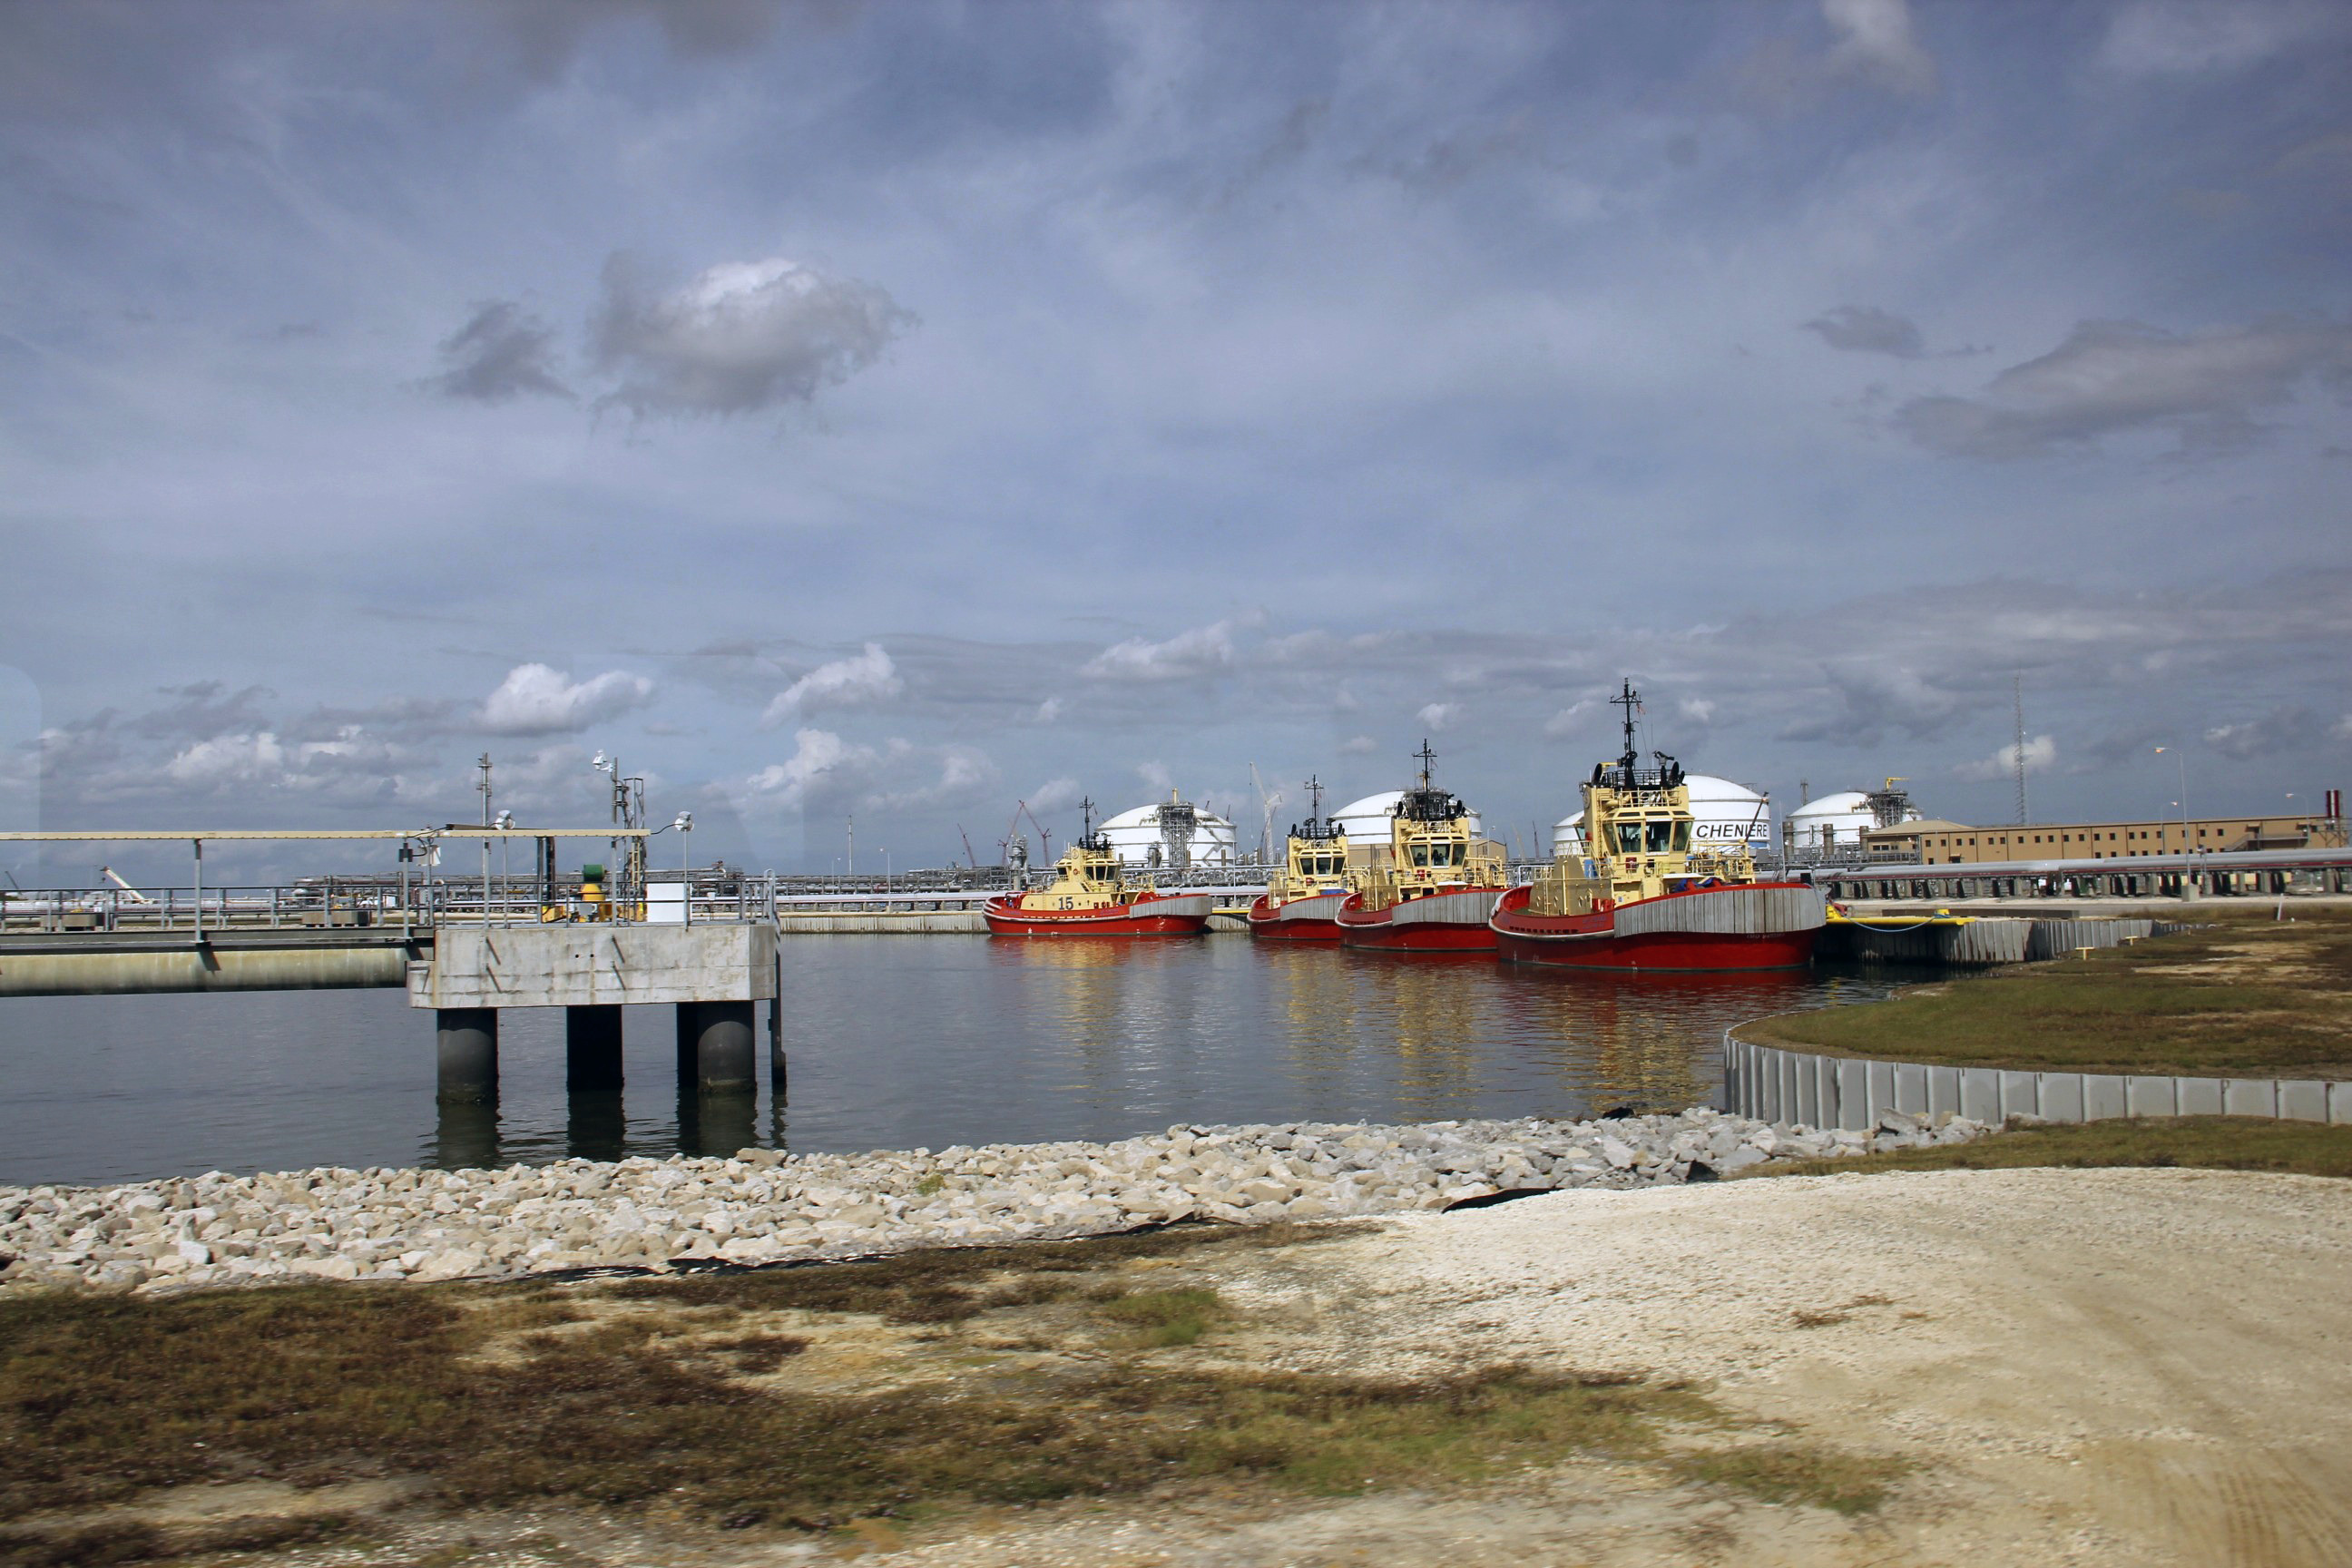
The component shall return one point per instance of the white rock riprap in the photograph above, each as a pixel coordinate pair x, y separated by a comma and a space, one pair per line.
763, 1207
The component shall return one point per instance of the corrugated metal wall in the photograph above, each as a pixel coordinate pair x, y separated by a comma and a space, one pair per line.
1470, 908
1798, 1087
1726, 911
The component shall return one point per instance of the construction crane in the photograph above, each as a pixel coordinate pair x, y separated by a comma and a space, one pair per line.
969, 858
1012, 835
136, 896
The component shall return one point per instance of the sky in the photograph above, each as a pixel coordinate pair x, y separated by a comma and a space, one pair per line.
902, 411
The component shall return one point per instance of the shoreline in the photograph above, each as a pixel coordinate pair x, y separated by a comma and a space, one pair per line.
759, 1207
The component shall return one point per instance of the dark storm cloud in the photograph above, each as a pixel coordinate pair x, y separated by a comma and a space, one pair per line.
2113, 378
741, 338
543, 36
502, 352
203, 709
1866, 329
2264, 734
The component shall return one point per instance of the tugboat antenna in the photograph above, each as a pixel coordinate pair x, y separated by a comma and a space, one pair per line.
1629, 701
1428, 758
1314, 800
1086, 817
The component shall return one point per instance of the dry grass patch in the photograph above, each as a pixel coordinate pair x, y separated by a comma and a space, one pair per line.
675, 1399
1789, 1472
1161, 1318
103, 1545
2242, 995
2199, 1143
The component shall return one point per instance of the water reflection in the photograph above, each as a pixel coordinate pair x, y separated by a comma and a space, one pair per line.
892, 1042
467, 1136
596, 1125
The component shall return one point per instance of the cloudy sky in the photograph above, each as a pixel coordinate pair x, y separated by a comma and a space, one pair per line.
905, 409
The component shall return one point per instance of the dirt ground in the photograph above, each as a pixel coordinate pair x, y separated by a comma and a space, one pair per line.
2088, 1367
2080, 1367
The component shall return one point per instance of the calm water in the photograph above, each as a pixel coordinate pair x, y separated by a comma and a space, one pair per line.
894, 1042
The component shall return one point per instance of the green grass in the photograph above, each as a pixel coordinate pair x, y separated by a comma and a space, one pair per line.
2245, 995
1788, 1472
2202, 1142
1163, 1318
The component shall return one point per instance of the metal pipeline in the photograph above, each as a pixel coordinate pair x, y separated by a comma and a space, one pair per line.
202, 969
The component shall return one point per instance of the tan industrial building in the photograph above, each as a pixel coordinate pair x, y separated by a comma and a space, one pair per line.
1935, 843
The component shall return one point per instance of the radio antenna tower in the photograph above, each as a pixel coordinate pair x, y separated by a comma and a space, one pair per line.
2017, 753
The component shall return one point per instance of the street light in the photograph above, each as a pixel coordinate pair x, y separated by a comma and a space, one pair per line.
503, 824
2188, 866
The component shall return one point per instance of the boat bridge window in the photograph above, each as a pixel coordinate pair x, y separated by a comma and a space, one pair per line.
1629, 838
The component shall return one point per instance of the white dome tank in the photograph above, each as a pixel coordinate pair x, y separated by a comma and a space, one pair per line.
1136, 835
1726, 816
1366, 821
1832, 822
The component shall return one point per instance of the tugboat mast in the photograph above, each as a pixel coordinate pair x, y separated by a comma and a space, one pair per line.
1631, 701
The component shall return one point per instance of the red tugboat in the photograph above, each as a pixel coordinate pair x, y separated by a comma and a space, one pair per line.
1437, 886
1091, 895
1301, 900
1641, 898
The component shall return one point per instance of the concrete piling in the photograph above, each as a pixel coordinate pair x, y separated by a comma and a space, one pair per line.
723, 1060
591, 1048
466, 1039
776, 1052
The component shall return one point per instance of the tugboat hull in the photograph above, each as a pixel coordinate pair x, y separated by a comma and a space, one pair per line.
1297, 920
1753, 926
1441, 922
1181, 915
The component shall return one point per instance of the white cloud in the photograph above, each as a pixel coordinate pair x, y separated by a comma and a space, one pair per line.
1157, 775
1359, 746
1055, 794
1570, 719
2114, 377
1049, 710
819, 758
535, 699
1204, 650
965, 773
1876, 43
1439, 715
2041, 755
744, 336
255, 758
1697, 709
858, 681
2183, 38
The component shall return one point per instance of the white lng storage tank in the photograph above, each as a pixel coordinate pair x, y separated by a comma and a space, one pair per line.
1159, 834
